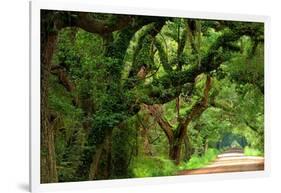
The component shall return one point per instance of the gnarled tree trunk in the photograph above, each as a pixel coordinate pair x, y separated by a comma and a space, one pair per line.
176, 136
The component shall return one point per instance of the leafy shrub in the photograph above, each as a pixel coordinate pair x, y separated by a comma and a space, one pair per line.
200, 161
252, 152
152, 166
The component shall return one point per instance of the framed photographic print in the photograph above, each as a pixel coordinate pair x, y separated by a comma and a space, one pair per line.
125, 96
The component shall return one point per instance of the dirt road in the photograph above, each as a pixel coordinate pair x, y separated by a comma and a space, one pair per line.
232, 160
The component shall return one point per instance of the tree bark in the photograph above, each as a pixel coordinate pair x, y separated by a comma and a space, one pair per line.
206, 146
48, 156
97, 157
108, 158
188, 149
146, 144
95, 162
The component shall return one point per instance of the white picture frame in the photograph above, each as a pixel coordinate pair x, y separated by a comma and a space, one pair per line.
94, 6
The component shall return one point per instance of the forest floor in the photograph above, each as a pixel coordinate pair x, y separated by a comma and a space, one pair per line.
232, 160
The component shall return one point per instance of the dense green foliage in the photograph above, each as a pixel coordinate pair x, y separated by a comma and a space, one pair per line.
148, 96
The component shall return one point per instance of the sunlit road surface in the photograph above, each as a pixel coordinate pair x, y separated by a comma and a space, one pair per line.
232, 160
